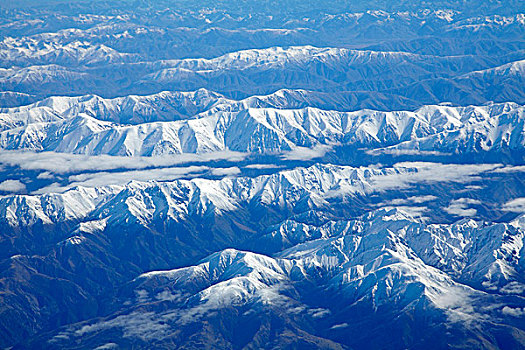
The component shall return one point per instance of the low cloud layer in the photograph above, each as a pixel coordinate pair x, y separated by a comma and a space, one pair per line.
12, 186
304, 153
64, 163
426, 172
516, 205
226, 171
414, 199
120, 178
462, 207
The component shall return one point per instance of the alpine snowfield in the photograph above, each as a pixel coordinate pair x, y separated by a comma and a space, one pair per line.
262, 174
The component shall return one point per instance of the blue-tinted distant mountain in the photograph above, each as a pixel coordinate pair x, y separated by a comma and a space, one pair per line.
401, 80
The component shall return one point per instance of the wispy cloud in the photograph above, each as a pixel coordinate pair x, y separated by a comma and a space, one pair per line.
135, 325
404, 152
263, 166
339, 326
458, 304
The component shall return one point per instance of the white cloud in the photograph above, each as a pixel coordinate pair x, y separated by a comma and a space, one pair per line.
45, 175
63, 163
403, 152
513, 288
458, 304
459, 211
511, 169
169, 296
515, 312
415, 212
107, 346
226, 171
426, 172
461, 207
123, 177
422, 199
12, 186
120, 178
339, 326
516, 205
263, 166
467, 201
414, 199
135, 325
305, 153
319, 313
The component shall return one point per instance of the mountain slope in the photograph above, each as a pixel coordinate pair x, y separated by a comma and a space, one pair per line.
372, 266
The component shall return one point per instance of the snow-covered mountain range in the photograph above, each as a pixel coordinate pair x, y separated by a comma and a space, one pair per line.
313, 175
91, 125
